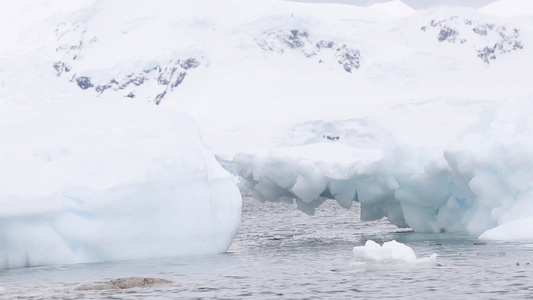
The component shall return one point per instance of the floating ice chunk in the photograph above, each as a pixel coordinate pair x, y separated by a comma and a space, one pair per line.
2, 290
392, 253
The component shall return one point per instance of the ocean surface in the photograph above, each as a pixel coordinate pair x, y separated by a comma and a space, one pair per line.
281, 253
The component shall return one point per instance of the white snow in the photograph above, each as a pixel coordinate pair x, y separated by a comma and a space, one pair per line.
416, 115
391, 254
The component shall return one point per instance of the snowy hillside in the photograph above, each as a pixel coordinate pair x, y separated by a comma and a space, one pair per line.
423, 117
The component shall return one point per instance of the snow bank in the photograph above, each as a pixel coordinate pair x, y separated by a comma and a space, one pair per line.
391, 254
94, 181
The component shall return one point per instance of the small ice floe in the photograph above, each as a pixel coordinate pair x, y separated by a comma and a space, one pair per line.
2, 290
392, 255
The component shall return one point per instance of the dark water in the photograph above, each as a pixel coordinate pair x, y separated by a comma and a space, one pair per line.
281, 253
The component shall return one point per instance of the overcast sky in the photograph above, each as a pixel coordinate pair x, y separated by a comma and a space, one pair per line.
416, 4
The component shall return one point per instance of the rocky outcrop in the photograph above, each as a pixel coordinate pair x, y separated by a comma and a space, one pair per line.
320, 50
73, 42
167, 76
489, 40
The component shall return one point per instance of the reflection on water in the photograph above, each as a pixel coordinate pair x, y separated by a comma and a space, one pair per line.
284, 254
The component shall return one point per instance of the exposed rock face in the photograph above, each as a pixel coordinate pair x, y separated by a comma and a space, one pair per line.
122, 283
489, 40
320, 50
167, 76
448, 34
84, 82
73, 41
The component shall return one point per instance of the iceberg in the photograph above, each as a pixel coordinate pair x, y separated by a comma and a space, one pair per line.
93, 182
480, 180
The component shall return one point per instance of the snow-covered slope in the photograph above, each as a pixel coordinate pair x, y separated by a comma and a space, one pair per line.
422, 117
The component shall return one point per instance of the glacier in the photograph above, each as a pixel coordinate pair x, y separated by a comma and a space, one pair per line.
112, 111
